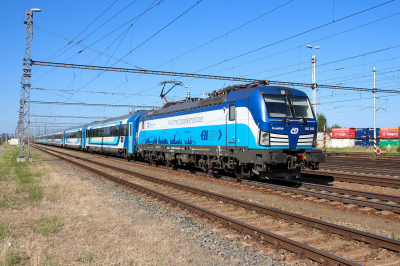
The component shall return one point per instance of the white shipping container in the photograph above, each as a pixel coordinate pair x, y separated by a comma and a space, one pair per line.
343, 143
14, 142
320, 144
320, 136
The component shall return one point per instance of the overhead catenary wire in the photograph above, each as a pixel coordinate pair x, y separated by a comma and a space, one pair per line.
163, 28
71, 41
296, 35
161, 1
203, 76
332, 35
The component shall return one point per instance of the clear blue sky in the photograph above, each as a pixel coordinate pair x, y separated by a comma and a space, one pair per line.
283, 58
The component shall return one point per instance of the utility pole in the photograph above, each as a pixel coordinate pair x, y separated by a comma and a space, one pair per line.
24, 110
375, 149
314, 77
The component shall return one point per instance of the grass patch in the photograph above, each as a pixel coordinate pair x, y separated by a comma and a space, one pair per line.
35, 193
173, 248
12, 258
3, 230
50, 262
18, 181
47, 225
86, 258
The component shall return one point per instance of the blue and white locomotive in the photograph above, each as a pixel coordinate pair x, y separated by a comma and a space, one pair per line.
267, 131
251, 130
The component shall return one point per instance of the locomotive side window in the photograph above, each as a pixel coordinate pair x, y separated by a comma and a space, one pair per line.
231, 112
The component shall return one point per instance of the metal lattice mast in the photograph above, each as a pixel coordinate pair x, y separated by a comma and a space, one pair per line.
24, 110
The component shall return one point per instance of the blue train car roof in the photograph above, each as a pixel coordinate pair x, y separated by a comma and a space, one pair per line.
116, 119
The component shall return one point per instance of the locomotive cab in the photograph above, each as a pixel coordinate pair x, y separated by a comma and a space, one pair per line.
287, 133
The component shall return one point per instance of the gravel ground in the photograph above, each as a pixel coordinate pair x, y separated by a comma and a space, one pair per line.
232, 252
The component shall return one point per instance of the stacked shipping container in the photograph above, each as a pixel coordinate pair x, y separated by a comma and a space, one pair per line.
343, 137
370, 135
364, 137
390, 137
361, 137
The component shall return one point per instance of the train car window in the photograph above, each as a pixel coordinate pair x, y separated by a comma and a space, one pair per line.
232, 111
107, 132
122, 130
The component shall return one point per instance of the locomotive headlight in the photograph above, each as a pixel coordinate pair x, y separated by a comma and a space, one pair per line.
264, 138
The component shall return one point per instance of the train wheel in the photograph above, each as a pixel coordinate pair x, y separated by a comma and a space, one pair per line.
239, 172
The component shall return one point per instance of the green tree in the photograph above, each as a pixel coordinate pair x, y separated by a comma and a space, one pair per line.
321, 121
336, 126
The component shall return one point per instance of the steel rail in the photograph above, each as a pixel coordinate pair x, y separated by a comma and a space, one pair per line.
339, 198
392, 203
311, 253
363, 162
344, 198
360, 169
353, 178
361, 155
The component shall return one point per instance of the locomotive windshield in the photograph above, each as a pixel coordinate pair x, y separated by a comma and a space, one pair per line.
280, 106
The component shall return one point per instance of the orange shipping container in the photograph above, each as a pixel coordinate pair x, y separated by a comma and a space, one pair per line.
343, 133
390, 133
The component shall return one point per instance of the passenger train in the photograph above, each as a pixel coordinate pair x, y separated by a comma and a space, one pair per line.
250, 130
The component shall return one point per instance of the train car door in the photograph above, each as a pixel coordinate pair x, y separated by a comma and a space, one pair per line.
130, 138
83, 138
231, 126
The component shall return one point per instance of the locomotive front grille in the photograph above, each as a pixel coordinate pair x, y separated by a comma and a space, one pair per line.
305, 140
279, 140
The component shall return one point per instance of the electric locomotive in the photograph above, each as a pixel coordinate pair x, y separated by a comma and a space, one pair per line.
254, 129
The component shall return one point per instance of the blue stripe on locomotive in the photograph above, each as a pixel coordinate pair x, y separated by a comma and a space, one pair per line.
251, 99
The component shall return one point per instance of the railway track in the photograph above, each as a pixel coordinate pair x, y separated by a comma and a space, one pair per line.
382, 156
353, 178
308, 238
351, 198
360, 169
